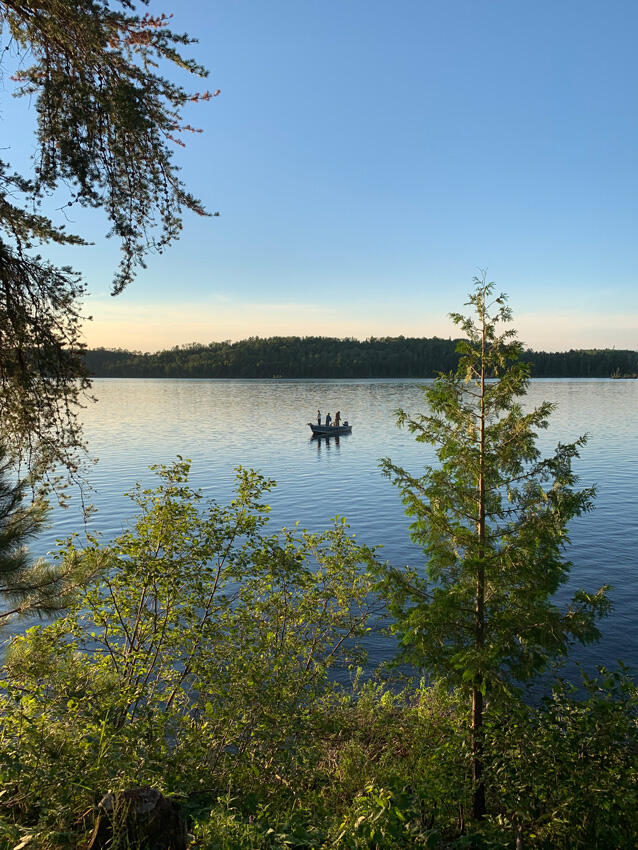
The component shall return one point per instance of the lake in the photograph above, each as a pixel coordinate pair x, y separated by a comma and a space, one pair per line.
220, 424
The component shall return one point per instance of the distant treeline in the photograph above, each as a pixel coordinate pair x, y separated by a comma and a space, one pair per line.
328, 357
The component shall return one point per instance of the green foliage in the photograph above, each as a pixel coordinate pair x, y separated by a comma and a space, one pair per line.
26, 587
492, 520
565, 774
390, 770
368, 769
375, 769
194, 656
106, 123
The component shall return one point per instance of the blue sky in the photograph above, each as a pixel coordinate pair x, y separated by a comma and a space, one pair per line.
368, 158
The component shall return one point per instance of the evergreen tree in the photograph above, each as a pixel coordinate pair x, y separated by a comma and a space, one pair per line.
106, 122
27, 587
492, 519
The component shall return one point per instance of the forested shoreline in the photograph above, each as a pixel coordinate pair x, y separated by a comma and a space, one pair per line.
329, 357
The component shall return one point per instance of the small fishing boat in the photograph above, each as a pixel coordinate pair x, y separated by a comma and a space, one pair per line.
330, 430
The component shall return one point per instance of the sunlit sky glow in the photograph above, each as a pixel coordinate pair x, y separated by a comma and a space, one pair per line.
368, 158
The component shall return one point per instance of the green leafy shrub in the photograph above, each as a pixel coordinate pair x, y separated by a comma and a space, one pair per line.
194, 657
565, 774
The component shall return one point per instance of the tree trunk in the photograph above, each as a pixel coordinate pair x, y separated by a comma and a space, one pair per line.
478, 785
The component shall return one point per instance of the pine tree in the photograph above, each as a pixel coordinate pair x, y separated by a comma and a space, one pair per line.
28, 587
492, 519
107, 121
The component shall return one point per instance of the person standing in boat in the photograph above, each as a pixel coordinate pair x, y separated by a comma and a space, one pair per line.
328, 420
337, 418
319, 418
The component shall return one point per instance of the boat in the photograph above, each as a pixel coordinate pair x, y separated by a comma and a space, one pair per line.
330, 430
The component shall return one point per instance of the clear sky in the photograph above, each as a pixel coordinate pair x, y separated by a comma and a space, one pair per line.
368, 157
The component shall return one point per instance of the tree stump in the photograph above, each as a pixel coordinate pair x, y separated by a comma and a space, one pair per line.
138, 818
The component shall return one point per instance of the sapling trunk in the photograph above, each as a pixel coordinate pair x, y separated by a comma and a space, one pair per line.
478, 783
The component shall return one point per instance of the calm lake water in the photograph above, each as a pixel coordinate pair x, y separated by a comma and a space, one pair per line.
262, 424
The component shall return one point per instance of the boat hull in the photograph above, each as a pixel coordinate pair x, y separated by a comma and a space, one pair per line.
329, 430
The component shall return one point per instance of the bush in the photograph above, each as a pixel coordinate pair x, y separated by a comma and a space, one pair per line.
194, 659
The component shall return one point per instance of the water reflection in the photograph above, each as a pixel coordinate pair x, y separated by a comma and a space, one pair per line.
325, 438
